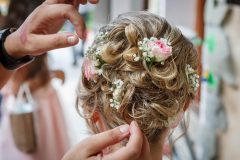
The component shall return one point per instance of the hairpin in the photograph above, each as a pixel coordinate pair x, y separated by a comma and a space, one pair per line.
154, 50
193, 77
116, 99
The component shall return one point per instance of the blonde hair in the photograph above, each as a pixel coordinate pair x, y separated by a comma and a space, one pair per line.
152, 94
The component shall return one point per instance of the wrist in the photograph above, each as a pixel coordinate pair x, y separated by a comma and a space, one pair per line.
11, 60
12, 46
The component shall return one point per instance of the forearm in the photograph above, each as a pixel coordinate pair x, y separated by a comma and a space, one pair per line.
4, 76
10, 44
29, 40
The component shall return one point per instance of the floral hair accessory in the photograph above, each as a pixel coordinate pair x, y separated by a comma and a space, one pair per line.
93, 62
193, 77
154, 49
89, 69
115, 101
102, 36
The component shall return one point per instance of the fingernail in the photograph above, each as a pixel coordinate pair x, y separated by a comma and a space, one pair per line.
72, 39
134, 127
134, 123
124, 128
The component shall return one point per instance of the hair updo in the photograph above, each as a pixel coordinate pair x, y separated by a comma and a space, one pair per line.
153, 94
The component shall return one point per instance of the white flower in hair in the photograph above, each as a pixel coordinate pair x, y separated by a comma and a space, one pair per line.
154, 49
193, 77
117, 89
136, 58
101, 36
93, 62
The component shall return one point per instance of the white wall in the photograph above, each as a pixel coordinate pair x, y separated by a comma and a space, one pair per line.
181, 12
178, 12
121, 6
106, 10
101, 14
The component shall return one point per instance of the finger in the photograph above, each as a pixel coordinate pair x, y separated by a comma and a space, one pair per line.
133, 148
54, 1
67, 11
65, 1
76, 3
98, 142
97, 157
145, 153
93, 1
44, 43
83, 1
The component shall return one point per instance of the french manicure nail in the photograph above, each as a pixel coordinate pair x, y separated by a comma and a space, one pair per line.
124, 128
71, 39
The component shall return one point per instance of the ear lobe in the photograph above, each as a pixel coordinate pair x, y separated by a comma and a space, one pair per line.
186, 105
178, 119
99, 122
95, 117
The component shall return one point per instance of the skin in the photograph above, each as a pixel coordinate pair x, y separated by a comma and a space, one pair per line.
91, 148
152, 151
39, 34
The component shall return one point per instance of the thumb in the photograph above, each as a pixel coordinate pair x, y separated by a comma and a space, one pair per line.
98, 142
43, 43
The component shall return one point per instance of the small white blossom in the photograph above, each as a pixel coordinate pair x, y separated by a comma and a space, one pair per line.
115, 101
144, 54
193, 77
136, 59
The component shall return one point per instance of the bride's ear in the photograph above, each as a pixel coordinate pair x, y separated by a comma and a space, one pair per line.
186, 105
99, 122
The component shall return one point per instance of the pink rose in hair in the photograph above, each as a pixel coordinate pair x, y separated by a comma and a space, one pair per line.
89, 68
151, 44
161, 51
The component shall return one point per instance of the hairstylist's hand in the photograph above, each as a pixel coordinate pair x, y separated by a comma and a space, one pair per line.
90, 149
38, 33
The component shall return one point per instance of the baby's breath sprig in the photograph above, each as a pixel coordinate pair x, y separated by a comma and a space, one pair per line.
117, 89
193, 77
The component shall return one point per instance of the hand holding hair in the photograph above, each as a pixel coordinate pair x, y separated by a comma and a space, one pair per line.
38, 33
91, 148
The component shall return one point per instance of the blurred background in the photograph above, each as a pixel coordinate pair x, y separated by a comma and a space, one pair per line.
212, 25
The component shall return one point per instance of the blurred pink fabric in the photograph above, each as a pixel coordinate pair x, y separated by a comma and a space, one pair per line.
52, 138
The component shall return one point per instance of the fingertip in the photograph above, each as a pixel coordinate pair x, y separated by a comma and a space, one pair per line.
72, 39
124, 128
94, 1
83, 2
85, 34
81, 31
134, 128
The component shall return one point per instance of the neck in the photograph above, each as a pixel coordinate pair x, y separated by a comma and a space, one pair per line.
157, 151
157, 148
